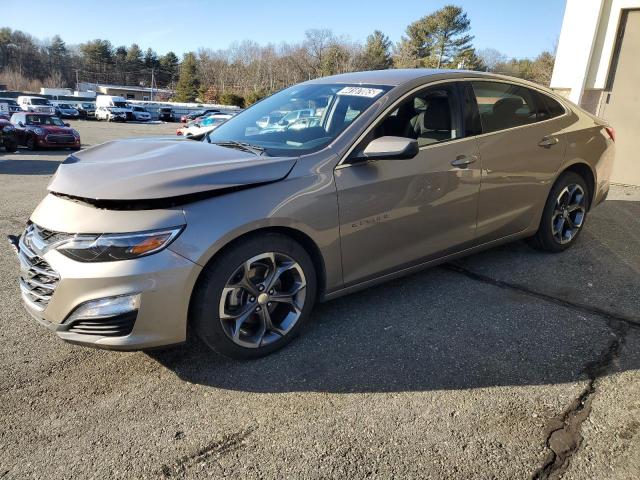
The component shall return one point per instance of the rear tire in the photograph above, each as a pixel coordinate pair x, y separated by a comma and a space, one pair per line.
255, 297
564, 214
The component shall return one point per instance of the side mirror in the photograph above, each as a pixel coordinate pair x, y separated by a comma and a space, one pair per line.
390, 148
67, 124
20, 124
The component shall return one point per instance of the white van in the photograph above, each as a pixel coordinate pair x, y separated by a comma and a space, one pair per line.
115, 104
35, 104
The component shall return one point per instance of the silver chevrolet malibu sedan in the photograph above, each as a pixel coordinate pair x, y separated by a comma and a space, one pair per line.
322, 189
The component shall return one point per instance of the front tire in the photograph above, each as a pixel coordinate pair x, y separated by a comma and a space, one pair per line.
255, 298
11, 147
31, 144
564, 214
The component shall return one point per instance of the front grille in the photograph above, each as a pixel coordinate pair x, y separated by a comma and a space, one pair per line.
38, 280
53, 138
117, 326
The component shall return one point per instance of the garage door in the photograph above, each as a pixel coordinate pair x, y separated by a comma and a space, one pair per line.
622, 102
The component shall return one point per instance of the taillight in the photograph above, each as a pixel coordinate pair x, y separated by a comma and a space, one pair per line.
611, 132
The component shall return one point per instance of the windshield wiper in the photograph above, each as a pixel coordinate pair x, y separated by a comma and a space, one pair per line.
246, 147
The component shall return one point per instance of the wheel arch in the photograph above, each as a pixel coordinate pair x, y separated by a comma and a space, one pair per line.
585, 171
302, 238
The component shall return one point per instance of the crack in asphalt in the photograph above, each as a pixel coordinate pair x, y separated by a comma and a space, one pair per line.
563, 434
228, 443
581, 307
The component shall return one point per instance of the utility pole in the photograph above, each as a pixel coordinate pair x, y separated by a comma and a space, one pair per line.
77, 81
152, 82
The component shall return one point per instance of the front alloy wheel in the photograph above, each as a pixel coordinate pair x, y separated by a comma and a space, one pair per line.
255, 296
262, 300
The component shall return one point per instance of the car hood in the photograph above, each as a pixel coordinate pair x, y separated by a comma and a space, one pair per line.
150, 169
55, 129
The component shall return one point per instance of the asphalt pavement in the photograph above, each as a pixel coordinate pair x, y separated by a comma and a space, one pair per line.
508, 364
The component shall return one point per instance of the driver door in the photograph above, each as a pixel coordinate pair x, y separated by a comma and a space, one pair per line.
398, 213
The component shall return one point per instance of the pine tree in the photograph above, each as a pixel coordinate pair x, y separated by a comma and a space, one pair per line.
376, 54
188, 84
437, 39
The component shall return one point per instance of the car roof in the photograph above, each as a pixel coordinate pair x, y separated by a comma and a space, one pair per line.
33, 114
396, 77
391, 77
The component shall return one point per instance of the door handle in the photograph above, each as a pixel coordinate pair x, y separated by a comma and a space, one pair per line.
548, 141
463, 161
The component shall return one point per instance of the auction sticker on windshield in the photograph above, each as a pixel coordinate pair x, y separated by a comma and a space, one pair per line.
360, 92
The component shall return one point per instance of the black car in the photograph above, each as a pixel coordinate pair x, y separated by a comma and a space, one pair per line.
166, 114
86, 110
8, 138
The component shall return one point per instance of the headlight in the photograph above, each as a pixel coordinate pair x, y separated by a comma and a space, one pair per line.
122, 246
76, 133
8, 129
38, 131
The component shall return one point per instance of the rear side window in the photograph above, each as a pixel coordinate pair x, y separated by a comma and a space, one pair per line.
504, 105
554, 107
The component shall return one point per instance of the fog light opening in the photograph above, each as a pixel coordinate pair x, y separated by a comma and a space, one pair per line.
106, 307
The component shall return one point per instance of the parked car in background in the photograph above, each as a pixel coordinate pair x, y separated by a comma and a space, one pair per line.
236, 237
39, 130
64, 110
87, 110
111, 114
140, 114
8, 138
35, 104
200, 113
166, 114
115, 102
196, 130
12, 104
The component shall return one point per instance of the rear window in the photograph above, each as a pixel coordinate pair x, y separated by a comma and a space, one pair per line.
504, 105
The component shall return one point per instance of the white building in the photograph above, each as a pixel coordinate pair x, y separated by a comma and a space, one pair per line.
598, 67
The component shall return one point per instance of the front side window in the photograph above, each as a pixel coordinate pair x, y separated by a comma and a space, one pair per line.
39, 101
504, 105
429, 116
274, 123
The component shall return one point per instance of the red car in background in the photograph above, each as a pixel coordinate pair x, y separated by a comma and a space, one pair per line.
39, 130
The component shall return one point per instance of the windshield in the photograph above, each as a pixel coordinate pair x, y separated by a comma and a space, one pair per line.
44, 120
39, 101
273, 123
64, 107
120, 104
87, 105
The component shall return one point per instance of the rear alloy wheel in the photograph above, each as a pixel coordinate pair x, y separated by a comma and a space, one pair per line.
564, 214
255, 298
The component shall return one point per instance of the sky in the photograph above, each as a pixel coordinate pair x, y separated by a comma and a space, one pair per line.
517, 28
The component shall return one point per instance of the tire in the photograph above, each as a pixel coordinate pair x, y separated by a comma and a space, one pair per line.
31, 144
215, 298
11, 147
572, 187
